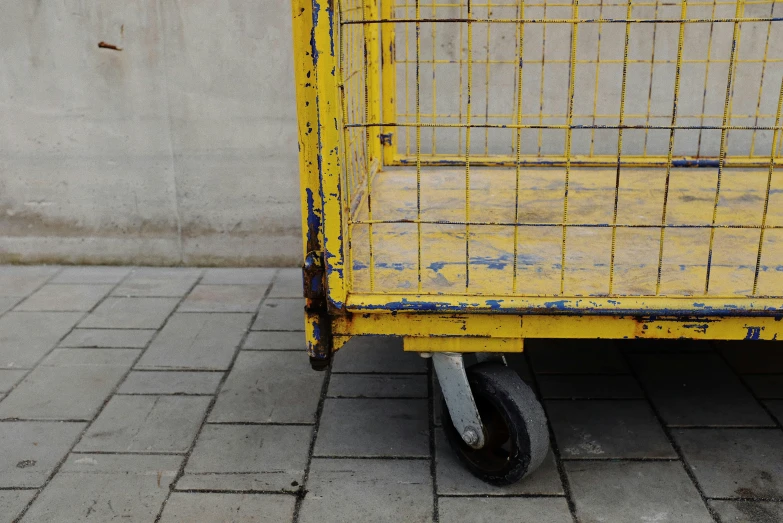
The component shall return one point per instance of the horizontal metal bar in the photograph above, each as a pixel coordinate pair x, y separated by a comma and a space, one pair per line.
587, 161
598, 305
570, 224
479, 328
572, 126
566, 20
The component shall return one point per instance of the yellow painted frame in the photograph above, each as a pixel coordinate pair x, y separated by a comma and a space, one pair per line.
442, 322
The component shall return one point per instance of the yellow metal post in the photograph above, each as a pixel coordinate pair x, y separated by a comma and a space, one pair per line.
327, 71
388, 77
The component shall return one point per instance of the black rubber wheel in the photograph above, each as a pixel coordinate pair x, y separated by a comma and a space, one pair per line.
515, 428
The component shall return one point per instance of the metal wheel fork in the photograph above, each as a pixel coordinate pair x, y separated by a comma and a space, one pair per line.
450, 369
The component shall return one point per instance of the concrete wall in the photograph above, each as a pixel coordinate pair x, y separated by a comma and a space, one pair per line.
180, 148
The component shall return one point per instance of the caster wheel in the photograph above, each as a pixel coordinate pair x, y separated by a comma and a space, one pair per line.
515, 428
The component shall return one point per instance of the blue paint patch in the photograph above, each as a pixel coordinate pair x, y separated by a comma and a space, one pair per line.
559, 305
313, 220
316, 10
698, 327
494, 304
754, 333
316, 332
330, 10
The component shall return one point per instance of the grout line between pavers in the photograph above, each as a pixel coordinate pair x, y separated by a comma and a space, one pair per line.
379, 373
431, 426
208, 411
261, 423
234, 491
108, 398
377, 397
56, 345
670, 437
23, 298
553, 445
373, 458
302, 492
494, 495
750, 500
746, 385
129, 453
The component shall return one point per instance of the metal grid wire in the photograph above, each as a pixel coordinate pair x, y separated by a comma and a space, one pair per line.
606, 83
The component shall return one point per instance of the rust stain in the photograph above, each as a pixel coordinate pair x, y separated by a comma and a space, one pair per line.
104, 45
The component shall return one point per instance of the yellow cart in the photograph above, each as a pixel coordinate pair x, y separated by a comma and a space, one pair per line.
475, 173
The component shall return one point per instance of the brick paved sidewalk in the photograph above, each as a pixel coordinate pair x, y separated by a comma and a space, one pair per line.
181, 395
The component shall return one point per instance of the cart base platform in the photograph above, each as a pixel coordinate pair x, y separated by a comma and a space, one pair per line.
538, 234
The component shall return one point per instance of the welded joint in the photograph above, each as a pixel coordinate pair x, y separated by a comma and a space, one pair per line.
450, 369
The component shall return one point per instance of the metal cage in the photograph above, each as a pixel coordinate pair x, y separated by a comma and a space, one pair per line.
489, 171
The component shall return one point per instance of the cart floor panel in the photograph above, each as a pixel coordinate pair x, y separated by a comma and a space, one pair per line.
485, 264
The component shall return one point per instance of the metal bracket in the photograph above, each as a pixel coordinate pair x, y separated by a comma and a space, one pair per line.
450, 368
317, 321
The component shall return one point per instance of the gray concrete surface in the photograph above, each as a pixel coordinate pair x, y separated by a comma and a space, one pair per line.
180, 148
202, 418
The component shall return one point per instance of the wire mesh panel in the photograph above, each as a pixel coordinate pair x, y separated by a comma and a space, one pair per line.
596, 148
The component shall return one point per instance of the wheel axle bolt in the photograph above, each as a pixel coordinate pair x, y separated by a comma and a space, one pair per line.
470, 436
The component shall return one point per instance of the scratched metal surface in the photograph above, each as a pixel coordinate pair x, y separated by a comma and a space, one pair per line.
538, 233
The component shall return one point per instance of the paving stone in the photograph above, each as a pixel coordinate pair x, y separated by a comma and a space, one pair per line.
657, 491
280, 315
187, 507
288, 284
12, 502
269, 340
108, 338
196, 341
503, 510
748, 511
576, 386
269, 387
377, 354
158, 281
146, 424
766, 386
69, 384
368, 490
373, 428
8, 378
227, 276
616, 429
776, 407
94, 274
100, 487
455, 479
575, 357
735, 463
377, 386
18, 280
25, 337
7, 303
64, 297
164, 382
130, 313
756, 357
248, 457
224, 298
31, 450
697, 390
